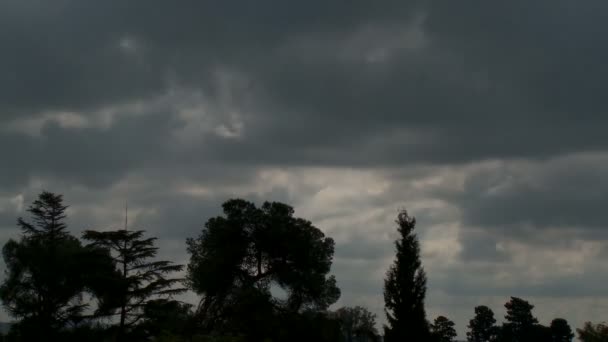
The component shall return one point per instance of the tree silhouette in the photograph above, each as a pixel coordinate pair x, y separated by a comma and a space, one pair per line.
520, 323
141, 279
357, 324
47, 215
238, 257
304, 326
482, 326
443, 330
47, 272
165, 317
236, 264
561, 331
593, 332
405, 288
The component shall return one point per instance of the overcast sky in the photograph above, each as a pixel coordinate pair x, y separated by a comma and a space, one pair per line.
486, 120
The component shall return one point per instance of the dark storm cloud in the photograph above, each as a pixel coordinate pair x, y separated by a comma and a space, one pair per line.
75, 54
569, 192
468, 283
362, 248
63, 56
183, 215
397, 82
14, 147
481, 246
557, 49
91, 156
468, 94
7, 219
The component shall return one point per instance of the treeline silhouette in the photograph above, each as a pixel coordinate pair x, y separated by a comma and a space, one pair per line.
261, 275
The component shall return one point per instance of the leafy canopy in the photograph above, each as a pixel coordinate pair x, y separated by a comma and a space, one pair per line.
482, 328
242, 255
593, 332
357, 324
561, 331
443, 330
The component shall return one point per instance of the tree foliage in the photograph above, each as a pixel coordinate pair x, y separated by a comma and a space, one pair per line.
593, 332
48, 270
405, 287
47, 219
166, 317
442, 329
141, 279
561, 331
357, 324
240, 256
238, 264
482, 328
520, 324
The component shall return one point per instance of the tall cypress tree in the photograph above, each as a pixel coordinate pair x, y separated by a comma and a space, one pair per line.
142, 279
405, 288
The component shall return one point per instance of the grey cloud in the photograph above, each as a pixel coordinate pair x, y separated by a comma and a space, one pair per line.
471, 284
361, 247
481, 246
567, 192
557, 48
68, 56
15, 148
442, 102
351, 281
90, 156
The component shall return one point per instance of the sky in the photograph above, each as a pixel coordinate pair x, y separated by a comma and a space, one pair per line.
485, 120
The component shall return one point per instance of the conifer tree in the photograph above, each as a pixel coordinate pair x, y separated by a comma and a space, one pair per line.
520, 323
141, 279
593, 332
561, 331
48, 215
357, 323
47, 272
405, 288
483, 326
443, 330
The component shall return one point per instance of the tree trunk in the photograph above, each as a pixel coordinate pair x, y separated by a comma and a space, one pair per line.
123, 307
